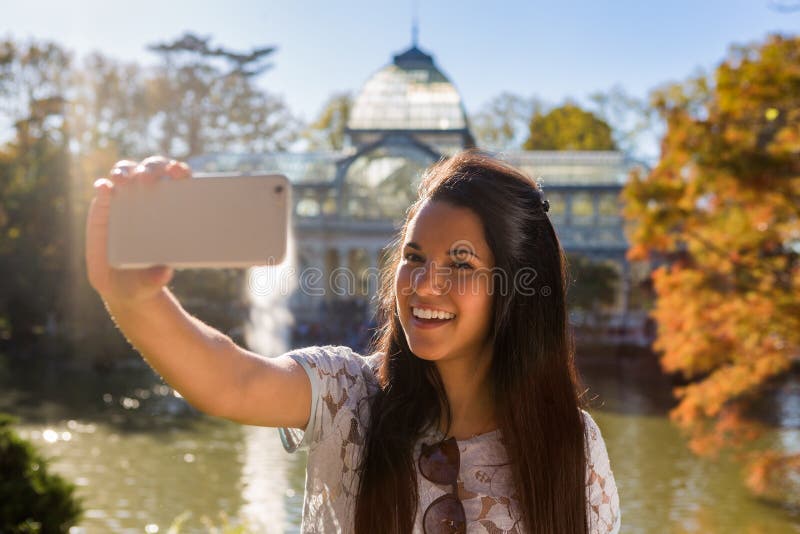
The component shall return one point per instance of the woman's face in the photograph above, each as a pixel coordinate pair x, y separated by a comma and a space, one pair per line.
445, 265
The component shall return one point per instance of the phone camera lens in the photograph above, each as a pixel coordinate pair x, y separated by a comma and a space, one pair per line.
279, 189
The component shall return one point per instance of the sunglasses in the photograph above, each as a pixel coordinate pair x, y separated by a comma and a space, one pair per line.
440, 463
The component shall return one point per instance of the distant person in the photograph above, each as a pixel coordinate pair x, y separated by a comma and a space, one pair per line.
464, 417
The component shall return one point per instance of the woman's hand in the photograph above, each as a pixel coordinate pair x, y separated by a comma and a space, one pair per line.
125, 286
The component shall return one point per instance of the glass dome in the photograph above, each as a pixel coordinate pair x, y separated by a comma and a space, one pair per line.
409, 94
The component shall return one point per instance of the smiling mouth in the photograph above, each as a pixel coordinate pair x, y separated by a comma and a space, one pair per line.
420, 321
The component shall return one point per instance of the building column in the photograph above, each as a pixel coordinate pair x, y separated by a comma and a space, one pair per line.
568, 208
315, 256
331, 261
595, 209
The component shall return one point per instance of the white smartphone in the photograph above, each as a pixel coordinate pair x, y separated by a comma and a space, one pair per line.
207, 221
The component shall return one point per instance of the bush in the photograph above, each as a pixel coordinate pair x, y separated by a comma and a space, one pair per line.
32, 501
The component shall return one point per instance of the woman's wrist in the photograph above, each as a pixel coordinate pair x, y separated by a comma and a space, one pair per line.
136, 306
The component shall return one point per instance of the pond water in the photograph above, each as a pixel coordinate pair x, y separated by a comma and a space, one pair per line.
142, 459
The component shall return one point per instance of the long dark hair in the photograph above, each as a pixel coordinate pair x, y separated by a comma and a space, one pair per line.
534, 378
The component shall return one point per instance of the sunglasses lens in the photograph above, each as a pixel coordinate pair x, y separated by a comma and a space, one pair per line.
439, 462
445, 516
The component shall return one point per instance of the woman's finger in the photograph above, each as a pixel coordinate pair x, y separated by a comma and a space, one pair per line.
97, 234
151, 169
122, 172
178, 170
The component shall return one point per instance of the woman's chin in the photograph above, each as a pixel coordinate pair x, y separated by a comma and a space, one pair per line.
427, 350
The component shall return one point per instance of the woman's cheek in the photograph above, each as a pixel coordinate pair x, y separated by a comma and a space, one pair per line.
476, 299
402, 283
473, 286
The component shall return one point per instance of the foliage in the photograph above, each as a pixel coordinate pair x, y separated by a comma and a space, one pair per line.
633, 121
34, 187
33, 78
32, 500
503, 121
327, 132
66, 123
568, 127
590, 293
722, 211
108, 116
215, 296
200, 107
593, 284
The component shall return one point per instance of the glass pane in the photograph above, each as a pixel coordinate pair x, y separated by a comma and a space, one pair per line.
329, 206
608, 205
398, 98
582, 208
307, 207
557, 203
382, 183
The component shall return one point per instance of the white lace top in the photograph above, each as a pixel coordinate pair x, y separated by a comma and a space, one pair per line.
334, 438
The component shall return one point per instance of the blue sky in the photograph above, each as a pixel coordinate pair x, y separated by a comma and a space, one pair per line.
552, 49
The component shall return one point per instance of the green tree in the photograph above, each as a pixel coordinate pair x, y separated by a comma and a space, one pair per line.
32, 500
35, 203
722, 208
568, 127
328, 130
204, 99
634, 123
108, 114
593, 285
63, 126
591, 291
503, 121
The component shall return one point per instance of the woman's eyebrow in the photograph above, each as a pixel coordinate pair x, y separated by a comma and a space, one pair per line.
452, 252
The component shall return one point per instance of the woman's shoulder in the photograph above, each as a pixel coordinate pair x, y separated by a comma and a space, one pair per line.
335, 361
595, 444
602, 494
592, 430
340, 378
597, 460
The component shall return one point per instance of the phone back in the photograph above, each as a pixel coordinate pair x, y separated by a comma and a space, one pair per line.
208, 221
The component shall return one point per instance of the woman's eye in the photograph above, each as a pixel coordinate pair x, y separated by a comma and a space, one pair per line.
459, 266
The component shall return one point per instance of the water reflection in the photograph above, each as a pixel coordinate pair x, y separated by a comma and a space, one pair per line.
129, 480
272, 483
663, 487
147, 466
271, 489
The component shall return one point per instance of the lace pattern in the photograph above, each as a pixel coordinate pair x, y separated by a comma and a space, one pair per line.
334, 438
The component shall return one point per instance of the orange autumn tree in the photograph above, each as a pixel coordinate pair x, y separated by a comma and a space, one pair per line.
720, 213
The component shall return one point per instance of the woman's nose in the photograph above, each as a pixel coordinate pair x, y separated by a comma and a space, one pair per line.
430, 279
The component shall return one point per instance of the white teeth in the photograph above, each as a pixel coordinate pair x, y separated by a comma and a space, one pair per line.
430, 314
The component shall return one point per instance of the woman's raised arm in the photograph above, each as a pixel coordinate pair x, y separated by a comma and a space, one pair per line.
204, 365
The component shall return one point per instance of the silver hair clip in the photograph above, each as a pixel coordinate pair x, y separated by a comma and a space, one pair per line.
542, 202
545, 204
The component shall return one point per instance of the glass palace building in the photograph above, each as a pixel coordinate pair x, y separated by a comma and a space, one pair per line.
348, 204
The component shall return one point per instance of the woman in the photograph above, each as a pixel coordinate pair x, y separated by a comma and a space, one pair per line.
466, 417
